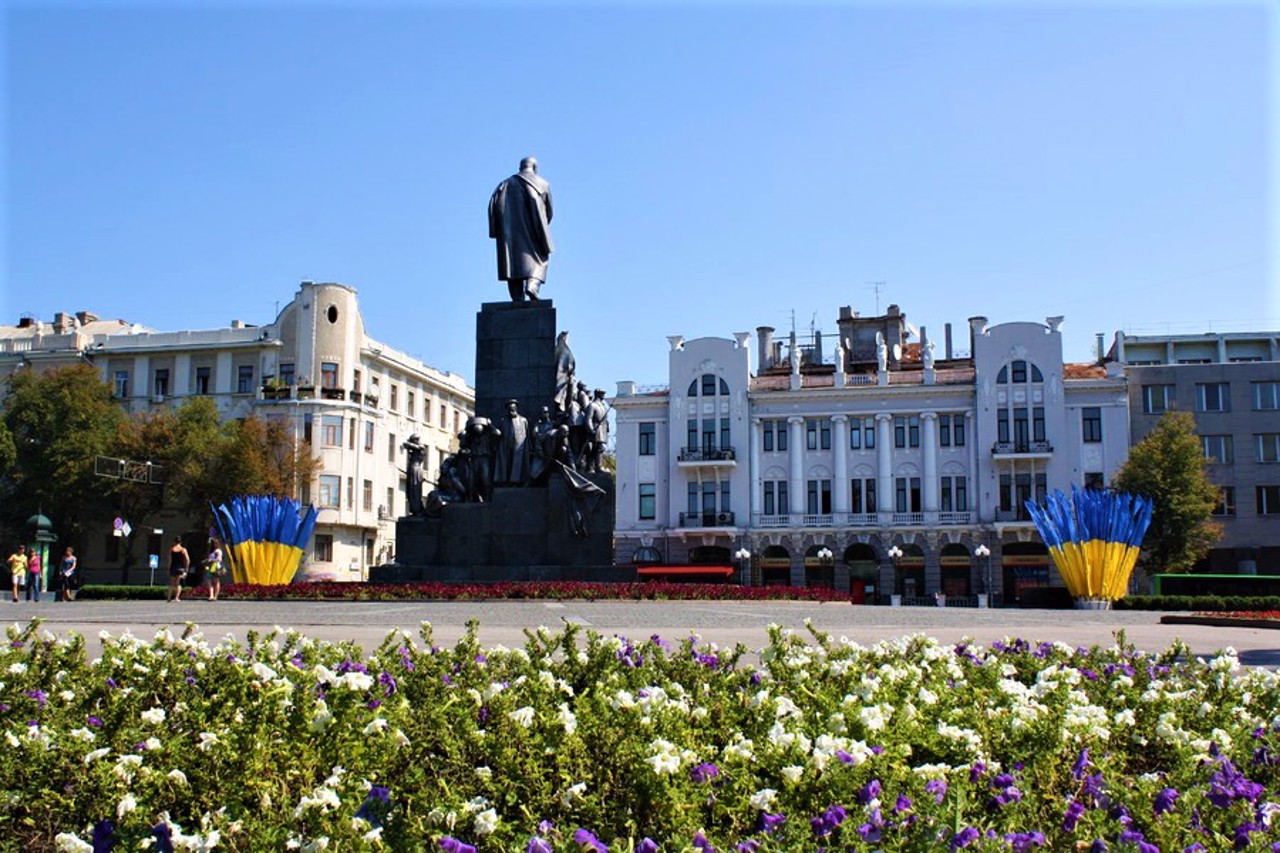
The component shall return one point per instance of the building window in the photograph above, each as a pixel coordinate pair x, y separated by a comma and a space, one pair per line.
1268, 447
444, 416
811, 434
331, 431
307, 421
691, 434
1218, 448
1268, 500
203, 375
426, 411
355, 379
1018, 371
957, 430
1091, 424
944, 430
775, 497
648, 438
351, 435
351, 493
855, 434
907, 494
869, 434
906, 432
244, 379
122, 383
1156, 398
328, 375
1094, 481
724, 434
818, 497
954, 494
1021, 427
457, 422
323, 551
1213, 397
286, 374
368, 436
366, 496
863, 496
391, 447
1226, 501
1037, 424
161, 382
775, 436
409, 407
395, 397
648, 501
1266, 396
1002, 426
391, 502
709, 434
330, 491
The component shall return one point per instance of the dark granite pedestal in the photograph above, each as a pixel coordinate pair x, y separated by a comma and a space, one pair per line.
523, 533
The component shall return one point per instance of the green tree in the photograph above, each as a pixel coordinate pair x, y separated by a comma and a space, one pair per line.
59, 423
1169, 466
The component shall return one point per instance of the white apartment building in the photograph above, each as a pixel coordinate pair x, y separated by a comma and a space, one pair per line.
833, 470
353, 399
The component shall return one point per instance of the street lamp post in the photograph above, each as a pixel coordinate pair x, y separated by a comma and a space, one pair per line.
824, 556
743, 556
895, 599
983, 552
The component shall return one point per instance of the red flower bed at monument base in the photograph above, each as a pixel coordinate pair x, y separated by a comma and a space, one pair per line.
1267, 615
528, 590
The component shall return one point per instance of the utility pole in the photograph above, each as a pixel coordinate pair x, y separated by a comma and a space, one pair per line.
877, 286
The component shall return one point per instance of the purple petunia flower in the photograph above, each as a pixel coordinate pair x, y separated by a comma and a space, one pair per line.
103, 836
164, 838
977, 771
869, 792
587, 838
964, 837
1021, 842
748, 846
771, 822
538, 845
700, 841
1081, 764
1197, 847
95, 722
1242, 831
825, 823
647, 845
388, 682
1164, 801
1230, 784
545, 827
453, 845
903, 804
704, 773
111, 682
937, 787
1098, 846
40, 696
1075, 809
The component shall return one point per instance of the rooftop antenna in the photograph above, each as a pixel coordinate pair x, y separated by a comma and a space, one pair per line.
877, 286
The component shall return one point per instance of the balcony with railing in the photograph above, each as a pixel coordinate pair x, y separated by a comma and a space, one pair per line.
706, 519
762, 520
954, 517
707, 456
332, 394
862, 519
1013, 516
908, 519
1025, 449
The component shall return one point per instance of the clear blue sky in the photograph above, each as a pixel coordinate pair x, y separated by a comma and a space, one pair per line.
715, 166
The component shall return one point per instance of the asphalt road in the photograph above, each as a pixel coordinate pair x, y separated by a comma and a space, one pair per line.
368, 622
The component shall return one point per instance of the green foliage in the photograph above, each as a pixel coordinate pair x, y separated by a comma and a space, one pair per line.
120, 592
59, 422
1169, 467
283, 742
1204, 603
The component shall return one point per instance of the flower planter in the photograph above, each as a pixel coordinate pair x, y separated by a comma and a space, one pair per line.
1093, 604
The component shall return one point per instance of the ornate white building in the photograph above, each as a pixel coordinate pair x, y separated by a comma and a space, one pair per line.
875, 469
349, 398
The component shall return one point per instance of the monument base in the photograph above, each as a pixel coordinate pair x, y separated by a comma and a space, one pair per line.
521, 534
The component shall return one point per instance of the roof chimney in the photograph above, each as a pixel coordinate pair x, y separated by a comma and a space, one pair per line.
947, 340
765, 355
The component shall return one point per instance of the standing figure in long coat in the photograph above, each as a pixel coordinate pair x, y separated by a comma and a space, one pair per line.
514, 448
519, 219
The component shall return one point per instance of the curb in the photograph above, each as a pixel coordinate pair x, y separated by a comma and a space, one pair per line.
1221, 622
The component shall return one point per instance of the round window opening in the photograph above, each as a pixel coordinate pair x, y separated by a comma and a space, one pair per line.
333, 314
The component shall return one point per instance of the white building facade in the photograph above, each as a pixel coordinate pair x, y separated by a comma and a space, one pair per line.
349, 399
878, 480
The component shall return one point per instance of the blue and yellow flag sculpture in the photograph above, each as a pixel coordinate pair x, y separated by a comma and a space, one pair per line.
265, 537
1094, 537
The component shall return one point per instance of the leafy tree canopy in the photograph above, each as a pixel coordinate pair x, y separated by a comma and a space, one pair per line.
1169, 466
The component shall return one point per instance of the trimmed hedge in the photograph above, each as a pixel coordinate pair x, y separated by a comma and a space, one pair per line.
1200, 603
120, 592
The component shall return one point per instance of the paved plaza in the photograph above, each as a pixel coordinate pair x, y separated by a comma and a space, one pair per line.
504, 622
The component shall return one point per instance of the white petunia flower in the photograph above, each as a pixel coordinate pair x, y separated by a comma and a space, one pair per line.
762, 800
523, 716
177, 776
95, 755
486, 822
67, 843
126, 805
154, 716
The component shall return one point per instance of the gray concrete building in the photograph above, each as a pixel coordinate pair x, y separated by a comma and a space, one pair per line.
1230, 382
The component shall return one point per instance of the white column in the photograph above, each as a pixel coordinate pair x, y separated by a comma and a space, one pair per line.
795, 445
181, 374
884, 462
223, 380
929, 437
754, 474
141, 376
840, 451
975, 478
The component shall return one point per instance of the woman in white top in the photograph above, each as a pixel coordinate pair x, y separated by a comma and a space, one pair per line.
213, 569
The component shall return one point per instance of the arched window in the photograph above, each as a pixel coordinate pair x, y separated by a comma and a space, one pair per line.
693, 388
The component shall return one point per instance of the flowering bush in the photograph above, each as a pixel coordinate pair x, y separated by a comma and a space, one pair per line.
485, 591
582, 742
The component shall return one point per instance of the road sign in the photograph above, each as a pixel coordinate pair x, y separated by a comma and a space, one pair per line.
118, 523
126, 529
153, 561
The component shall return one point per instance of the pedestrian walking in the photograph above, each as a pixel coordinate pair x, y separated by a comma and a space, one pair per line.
213, 570
35, 575
67, 575
179, 565
17, 569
